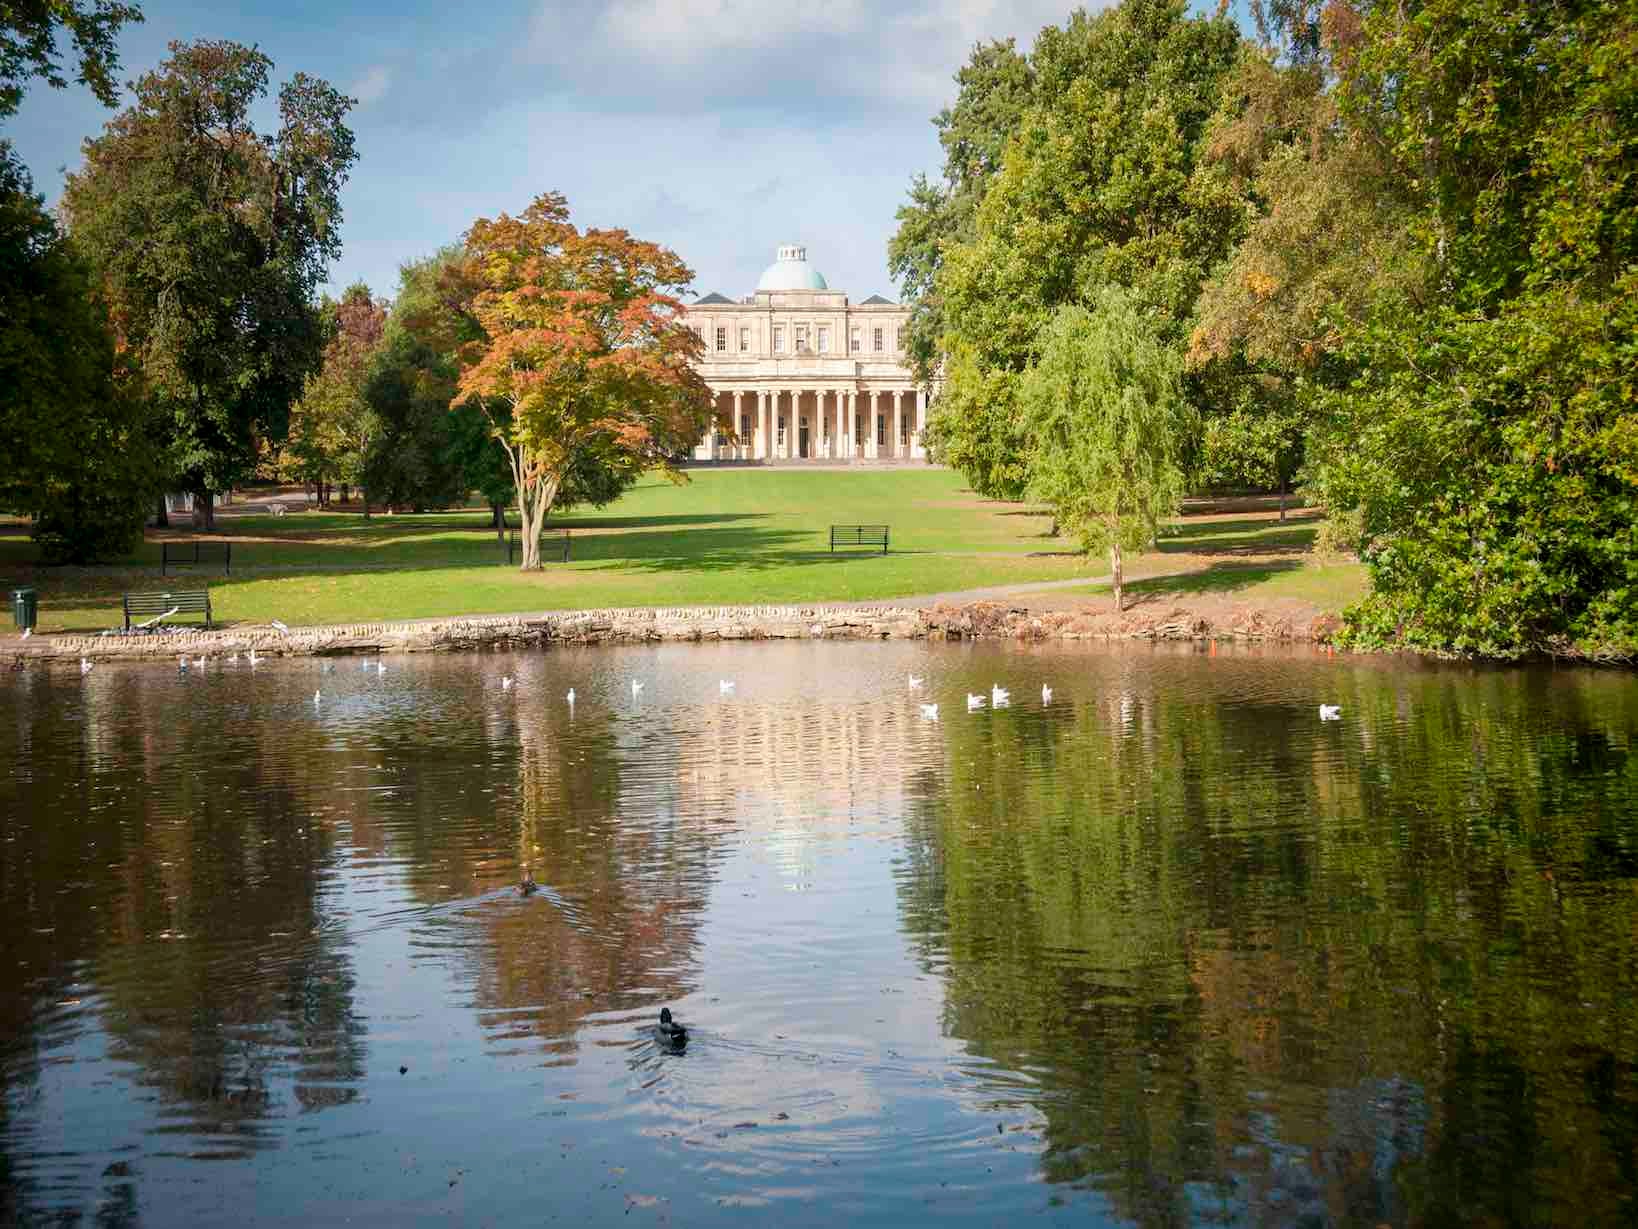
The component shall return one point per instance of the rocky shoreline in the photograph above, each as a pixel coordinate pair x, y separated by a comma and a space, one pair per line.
982, 620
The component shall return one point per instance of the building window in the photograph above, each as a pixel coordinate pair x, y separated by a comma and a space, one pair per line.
881, 426
854, 343
781, 436
824, 339
801, 338
745, 341
722, 340
779, 339
745, 425
877, 339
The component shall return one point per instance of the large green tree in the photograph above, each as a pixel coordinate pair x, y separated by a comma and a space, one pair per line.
1100, 179
211, 239
993, 89
1107, 420
74, 431
1484, 440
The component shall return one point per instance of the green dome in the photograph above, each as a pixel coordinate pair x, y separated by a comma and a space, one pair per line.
792, 271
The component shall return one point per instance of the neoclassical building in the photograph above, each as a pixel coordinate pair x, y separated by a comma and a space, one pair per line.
805, 375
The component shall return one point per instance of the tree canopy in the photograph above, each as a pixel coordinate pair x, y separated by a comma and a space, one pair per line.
582, 349
28, 45
1393, 245
210, 240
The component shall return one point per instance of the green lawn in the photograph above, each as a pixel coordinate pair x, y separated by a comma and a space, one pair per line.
1330, 586
727, 536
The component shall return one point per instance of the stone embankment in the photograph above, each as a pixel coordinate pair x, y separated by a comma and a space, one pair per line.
972, 620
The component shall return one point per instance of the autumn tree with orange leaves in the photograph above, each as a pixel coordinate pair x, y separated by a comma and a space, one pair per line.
582, 351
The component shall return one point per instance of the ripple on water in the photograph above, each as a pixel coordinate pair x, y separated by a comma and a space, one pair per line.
1166, 949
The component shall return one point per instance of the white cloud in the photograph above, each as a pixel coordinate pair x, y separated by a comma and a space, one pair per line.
372, 87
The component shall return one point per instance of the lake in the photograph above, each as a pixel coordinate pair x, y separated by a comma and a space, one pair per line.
1166, 950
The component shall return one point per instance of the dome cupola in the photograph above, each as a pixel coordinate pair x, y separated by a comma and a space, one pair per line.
791, 271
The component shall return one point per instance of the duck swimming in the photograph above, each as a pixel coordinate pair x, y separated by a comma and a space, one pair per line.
669, 1031
527, 885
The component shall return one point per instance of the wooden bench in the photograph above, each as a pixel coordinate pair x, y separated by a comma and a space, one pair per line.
858, 535
195, 554
551, 544
187, 601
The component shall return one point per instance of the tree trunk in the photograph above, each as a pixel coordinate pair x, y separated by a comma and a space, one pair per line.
364, 499
1115, 573
346, 491
532, 509
162, 515
499, 511
204, 511
1282, 499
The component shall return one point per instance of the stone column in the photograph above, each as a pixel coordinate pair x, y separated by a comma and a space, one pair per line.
871, 450
896, 451
844, 422
917, 449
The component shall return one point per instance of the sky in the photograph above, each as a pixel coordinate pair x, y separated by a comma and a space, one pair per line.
720, 128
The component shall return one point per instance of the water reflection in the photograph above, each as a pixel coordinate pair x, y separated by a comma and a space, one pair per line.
1167, 950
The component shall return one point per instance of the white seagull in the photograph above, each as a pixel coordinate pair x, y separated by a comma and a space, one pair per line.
506, 682
1046, 694
317, 695
27, 632
974, 702
278, 627
915, 682
570, 697
725, 685
1330, 712
85, 665
930, 711
635, 687
999, 695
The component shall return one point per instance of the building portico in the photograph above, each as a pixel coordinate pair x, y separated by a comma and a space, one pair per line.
805, 375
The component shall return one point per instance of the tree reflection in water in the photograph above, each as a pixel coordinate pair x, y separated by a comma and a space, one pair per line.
1197, 956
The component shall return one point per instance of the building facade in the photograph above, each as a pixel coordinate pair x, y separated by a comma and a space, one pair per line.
805, 375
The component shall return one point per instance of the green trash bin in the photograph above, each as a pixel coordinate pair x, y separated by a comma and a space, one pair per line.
25, 608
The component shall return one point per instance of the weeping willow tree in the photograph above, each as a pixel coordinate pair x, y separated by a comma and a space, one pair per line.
1107, 422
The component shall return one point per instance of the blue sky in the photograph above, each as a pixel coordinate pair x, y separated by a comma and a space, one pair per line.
721, 128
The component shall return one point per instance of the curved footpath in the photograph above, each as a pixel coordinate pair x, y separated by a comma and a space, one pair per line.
979, 614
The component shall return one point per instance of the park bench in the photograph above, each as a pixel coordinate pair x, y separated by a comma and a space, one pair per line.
551, 544
194, 554
858, 535
187, 601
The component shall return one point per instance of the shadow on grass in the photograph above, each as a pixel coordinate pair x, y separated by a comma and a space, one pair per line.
716, 550
592, 522
1218, 578
1241, 537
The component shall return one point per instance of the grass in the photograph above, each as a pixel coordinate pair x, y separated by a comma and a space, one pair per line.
1330, 586
727, 536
